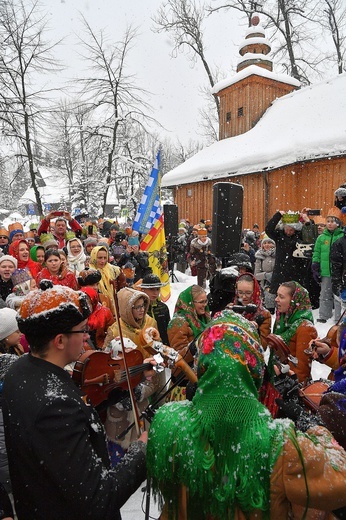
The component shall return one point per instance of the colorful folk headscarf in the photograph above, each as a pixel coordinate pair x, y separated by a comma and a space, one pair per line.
108, 272
185, 309
223, 445
286, 323
256, 295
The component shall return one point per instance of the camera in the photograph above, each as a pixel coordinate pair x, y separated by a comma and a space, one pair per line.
251, 308
314, 212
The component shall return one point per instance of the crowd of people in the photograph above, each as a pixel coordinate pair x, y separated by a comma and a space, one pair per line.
230, 436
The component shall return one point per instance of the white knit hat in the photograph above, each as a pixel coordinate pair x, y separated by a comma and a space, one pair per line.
8, 322
9, 258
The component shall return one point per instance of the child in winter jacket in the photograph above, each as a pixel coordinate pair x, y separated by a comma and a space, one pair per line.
321, 268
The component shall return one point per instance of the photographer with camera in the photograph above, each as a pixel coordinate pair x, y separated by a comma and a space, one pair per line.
248, 303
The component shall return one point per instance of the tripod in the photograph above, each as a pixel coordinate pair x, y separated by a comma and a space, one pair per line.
170, 253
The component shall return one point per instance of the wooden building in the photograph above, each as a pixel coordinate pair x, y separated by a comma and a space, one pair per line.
286, 145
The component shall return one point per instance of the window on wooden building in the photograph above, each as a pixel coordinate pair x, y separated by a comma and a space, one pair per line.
228, 117
189, 193
240, 111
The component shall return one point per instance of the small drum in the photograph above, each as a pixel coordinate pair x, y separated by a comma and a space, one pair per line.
311, 394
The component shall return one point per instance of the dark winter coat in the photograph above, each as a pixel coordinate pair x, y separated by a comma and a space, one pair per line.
287, 267
6, 288
140, 262
57, 450
160, 312
338, 265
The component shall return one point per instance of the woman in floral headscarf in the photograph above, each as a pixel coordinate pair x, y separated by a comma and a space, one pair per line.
294, 323
248, 291
223, 457
191, 316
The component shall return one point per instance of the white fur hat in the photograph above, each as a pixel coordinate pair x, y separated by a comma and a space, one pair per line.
10, 259
8, 322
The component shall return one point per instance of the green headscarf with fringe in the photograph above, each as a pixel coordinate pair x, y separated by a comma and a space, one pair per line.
223, 445
185, 311
286, 323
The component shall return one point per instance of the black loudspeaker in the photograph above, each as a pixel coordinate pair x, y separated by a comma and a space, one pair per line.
227, 219
170, 213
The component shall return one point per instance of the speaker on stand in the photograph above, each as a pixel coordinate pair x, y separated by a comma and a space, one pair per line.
170, 219
227, 219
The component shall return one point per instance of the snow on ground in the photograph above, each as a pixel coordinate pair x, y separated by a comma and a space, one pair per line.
134, 509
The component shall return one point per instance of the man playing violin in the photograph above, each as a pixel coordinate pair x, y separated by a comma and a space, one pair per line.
58, 459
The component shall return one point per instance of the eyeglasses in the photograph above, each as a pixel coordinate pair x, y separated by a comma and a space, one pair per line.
204, 302
245, 293
84, 331
3, 236
138, 307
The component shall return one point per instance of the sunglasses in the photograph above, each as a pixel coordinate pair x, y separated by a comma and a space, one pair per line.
3, 236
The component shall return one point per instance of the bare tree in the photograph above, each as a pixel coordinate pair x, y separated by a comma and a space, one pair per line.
24, 56
183, 20
115, 101
333, 19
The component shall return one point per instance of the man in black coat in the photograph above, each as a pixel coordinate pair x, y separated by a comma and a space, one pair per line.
287, 267
57, 451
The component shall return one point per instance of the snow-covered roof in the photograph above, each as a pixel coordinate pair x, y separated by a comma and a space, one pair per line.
306, 124
253, 70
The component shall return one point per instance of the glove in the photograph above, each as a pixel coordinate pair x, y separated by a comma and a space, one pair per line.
343, 295
302, 419
125, 404
316, 272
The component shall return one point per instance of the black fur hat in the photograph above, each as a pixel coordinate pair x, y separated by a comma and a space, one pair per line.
88, 277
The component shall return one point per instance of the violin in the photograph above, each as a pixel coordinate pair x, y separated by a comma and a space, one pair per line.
97, 373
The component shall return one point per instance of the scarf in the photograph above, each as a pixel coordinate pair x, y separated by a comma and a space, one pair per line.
30, 265
33, 252
256, 297
223, 445
286, 323
108, 273
184, 308
76, 263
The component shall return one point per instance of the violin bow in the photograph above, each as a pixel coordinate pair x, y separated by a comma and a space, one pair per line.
127, 372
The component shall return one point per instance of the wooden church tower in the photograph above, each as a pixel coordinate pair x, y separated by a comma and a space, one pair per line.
252, 90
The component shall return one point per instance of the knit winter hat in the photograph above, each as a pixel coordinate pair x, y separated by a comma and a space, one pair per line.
267, 240
88, 277
340, 192
9, 258
8, 322
52, 310
14, 232
20, 276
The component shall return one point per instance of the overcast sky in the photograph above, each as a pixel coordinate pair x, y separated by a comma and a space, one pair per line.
174, 83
